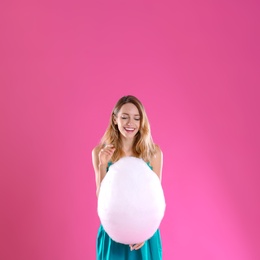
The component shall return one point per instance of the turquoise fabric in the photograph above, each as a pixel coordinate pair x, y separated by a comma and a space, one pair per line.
108, 249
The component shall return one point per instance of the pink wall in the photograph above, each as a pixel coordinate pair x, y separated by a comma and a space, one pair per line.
195, 66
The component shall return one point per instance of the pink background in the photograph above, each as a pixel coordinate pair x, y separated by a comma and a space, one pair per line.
195, 67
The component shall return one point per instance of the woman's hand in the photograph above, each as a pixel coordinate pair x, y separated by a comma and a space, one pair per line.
136, 246
105, 154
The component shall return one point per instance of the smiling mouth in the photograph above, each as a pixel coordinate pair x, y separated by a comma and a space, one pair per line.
129, 129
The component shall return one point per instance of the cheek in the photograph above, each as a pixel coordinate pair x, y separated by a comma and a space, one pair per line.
120, 124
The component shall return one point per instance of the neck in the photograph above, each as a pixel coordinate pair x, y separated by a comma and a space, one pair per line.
127, 146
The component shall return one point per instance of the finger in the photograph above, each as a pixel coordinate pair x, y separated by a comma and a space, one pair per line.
136, 246
109, 145
139, 246
105, 150
131, 247
108, 148
110, 151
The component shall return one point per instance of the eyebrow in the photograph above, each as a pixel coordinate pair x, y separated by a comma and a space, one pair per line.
128, 114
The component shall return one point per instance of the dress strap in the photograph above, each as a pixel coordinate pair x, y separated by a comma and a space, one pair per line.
148, 163
108, 165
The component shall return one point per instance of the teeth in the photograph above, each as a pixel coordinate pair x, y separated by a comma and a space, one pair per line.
130, 129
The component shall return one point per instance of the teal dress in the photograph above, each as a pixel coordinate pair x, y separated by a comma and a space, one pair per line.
108, 249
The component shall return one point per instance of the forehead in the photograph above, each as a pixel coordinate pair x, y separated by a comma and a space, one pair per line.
129, 108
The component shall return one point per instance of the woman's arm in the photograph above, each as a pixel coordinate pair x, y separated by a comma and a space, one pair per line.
100, 171
157, 162
100, 159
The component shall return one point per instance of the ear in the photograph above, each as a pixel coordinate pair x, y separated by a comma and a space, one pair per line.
114, 119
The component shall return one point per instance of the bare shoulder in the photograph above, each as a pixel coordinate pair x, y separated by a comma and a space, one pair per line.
159, 152
157, 161
96, 150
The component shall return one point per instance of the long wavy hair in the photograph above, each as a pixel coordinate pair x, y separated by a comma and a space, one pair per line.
143, 146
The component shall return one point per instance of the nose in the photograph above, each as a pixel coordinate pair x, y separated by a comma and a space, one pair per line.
129, 122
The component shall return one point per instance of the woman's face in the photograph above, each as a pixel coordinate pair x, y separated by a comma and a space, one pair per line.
128, 120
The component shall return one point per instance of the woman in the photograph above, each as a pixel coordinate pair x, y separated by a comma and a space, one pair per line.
128, 134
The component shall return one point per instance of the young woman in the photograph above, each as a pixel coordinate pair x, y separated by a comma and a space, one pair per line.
128, 134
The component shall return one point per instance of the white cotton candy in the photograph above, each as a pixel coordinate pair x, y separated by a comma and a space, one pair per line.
131, 202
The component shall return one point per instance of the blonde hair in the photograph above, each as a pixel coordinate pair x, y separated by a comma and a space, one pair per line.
143, 146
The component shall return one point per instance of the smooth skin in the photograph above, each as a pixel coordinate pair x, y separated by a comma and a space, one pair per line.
128, 121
